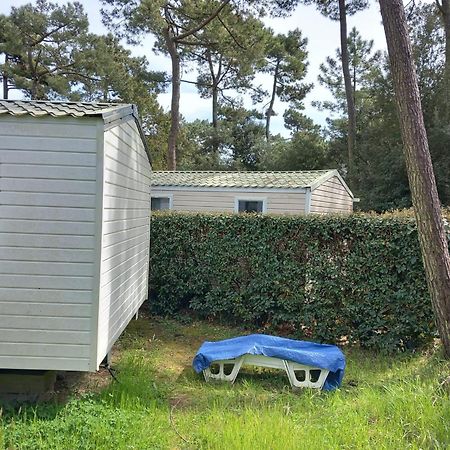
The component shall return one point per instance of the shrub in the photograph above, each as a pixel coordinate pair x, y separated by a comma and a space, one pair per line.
357, 278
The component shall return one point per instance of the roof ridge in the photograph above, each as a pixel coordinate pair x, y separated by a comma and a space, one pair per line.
39, 108
243, 171
11, 100
293, 179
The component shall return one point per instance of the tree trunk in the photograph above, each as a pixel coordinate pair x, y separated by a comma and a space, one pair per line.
33, 76
5, 78
269, 112
172, 43
215, 104
445, 10
34, 89
351, 113
215, 80
175, 101
5, 85
422, 183
215, 122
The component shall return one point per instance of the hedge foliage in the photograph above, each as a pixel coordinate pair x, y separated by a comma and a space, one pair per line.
330, 278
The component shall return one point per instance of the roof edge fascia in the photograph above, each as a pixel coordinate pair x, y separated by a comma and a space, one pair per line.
124, 114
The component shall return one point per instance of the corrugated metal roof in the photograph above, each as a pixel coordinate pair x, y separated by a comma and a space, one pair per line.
275, 180
38, 108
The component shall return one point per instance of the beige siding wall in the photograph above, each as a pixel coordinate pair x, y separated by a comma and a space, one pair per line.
224, 200
331, 197
47, 239
126, 233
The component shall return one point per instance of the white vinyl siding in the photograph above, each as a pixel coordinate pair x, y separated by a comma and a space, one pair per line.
47, 237
331, 197
126, 233
224, 200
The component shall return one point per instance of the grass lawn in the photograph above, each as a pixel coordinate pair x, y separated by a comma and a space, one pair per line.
395, 402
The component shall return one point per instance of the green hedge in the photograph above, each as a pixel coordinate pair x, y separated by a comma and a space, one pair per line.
331, 278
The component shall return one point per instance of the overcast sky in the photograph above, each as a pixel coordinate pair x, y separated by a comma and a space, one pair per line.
323, 39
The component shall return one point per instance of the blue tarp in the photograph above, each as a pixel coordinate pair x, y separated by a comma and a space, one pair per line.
303, 352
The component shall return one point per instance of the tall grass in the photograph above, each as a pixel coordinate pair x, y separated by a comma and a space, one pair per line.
394, 402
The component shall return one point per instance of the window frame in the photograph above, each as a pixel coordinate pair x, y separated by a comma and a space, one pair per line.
169, 196
242, 198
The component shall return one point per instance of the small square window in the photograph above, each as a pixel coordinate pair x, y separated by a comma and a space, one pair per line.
250, 206
160, 203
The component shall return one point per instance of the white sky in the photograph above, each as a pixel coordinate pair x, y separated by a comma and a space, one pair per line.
323, 39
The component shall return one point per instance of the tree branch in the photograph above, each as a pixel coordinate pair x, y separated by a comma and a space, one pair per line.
37, 60
199, 42
81, 75
219, 69
232, 101
199, 56
211, 66
168, 17
197, 83
439, 5
46, 35
204, 23
225, 73
55, 69
231, 34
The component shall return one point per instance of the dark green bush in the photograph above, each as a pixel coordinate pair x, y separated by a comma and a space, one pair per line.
357, 278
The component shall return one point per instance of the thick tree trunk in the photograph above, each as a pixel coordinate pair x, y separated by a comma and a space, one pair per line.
422, 183
175, 101
351, 113
269, 112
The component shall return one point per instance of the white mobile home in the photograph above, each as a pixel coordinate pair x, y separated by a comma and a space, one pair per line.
74, 231
316, 191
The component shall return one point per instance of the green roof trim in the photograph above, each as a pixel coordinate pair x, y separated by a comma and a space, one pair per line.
248, 180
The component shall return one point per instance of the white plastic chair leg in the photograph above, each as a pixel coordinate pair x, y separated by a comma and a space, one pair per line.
270, 362
291, 368
231, 377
